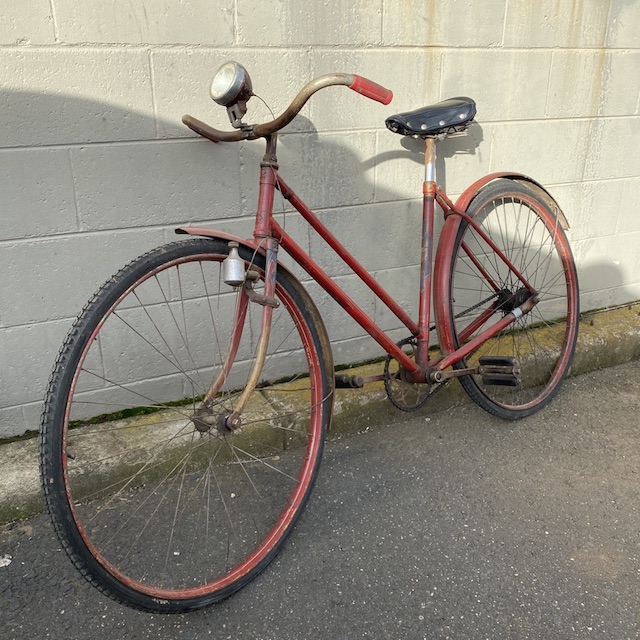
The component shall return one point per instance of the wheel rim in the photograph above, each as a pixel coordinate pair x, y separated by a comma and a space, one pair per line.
198, 510
543, 340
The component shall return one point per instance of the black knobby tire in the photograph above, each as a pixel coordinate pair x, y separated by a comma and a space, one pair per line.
157, 507
524, 225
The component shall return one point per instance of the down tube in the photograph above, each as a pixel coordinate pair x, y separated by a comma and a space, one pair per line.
319, 275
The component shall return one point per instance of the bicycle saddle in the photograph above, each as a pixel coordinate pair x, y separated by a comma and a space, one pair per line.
448, 116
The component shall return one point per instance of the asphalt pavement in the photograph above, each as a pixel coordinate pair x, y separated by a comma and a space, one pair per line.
452, 524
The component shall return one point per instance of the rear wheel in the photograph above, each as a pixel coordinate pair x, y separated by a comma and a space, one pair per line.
156, 500
482, 289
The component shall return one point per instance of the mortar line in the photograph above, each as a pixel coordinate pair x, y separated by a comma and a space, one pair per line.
322, 48
338, 132
76, 202
154, 102
504, 23
54, 20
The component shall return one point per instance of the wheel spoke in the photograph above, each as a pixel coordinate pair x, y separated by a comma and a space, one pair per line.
543, 341
167, 502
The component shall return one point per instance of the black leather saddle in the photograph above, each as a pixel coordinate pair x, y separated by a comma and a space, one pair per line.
449, 116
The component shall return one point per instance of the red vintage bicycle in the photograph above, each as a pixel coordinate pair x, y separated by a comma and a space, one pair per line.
186, 413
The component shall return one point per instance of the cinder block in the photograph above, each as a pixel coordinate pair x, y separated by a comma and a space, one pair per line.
403, 285
548, 23
399, 167
339, 323
27, 355
608, 263
202, 22
27, 23
32, 413
339, 108
592, 208
589, 83
462, 161
382, 236
71, 95
355, 350
286, 22
451, 23
325, 170
613, 148
154, 183
604, 298
182, 78
622, 96
58, 275
623, 25
37, 193
576, 83
628, 218
551, 152
506, 85
13, 423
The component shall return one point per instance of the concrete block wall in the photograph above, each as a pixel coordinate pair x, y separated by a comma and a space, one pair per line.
96, 168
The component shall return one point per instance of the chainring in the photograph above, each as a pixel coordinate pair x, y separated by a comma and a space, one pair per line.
405, 395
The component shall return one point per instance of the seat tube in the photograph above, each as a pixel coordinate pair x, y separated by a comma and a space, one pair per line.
428, 215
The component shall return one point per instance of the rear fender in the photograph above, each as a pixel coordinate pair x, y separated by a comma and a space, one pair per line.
470, 193
444, 252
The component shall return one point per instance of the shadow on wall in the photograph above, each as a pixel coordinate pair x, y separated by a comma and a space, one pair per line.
76, 208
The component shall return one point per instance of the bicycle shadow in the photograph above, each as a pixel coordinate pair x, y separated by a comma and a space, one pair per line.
88, 186
94, 205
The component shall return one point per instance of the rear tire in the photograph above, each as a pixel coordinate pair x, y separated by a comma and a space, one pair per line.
157, 507
524, 227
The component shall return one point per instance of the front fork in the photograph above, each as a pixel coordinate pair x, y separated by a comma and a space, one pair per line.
246, 294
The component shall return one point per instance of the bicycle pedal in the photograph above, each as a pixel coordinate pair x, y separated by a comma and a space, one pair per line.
501, 379
498, 361
344, 381
499, 371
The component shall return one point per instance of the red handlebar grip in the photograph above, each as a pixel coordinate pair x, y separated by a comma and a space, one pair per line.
371, 89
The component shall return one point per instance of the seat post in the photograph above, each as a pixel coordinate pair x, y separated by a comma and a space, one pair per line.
428, 215
430, 161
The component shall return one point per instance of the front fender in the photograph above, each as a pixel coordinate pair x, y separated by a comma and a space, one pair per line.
216, 233
206, 232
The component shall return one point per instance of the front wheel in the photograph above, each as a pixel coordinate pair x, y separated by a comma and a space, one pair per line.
156, 500
482, 289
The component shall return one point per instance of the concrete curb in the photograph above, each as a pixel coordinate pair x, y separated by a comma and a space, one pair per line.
606, 339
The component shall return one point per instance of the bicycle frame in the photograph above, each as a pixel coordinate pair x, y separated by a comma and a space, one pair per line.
269, 236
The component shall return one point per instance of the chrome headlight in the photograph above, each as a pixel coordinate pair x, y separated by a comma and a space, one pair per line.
231, 85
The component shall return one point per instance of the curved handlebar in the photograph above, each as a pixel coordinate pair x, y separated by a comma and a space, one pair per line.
359, 84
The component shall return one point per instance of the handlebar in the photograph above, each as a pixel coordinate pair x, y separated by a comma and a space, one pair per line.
359, 84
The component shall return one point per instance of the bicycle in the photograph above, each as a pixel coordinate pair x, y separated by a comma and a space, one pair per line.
186, 413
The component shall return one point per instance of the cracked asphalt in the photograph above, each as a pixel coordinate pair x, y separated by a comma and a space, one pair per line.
446, 525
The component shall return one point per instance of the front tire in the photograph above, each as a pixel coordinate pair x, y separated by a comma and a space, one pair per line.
157, 507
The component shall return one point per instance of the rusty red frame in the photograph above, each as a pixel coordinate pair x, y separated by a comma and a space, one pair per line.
422, 369
267, 227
